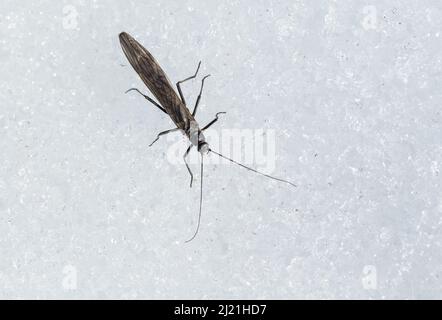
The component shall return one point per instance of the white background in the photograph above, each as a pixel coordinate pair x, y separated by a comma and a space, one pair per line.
351, 88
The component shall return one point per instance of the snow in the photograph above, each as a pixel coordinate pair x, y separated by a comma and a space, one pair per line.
348, 92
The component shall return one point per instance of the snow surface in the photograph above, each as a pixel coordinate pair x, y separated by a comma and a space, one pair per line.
352, 90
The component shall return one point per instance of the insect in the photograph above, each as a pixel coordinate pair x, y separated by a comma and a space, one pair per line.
175, 107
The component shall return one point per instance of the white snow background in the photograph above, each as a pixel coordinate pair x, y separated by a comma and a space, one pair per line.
351, 88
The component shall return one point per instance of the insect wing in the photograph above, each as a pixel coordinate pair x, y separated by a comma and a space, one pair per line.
154, 77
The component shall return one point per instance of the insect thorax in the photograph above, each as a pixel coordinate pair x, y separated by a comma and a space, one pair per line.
197, 138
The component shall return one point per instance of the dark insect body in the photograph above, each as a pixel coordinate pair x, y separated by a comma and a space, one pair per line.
173, 105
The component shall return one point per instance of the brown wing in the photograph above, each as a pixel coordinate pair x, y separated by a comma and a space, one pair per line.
155, 79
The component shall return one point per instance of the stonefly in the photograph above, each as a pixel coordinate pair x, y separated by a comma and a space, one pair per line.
175, 107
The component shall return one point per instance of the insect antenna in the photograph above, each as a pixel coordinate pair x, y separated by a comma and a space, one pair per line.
201, 203
251, 169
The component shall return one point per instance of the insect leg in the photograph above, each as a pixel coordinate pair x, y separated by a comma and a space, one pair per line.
163, 133
199, 96
213, 121
148, 99
187, 165
178, 84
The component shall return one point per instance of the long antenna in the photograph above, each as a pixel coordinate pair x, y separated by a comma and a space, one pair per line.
201, 203
256, 171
